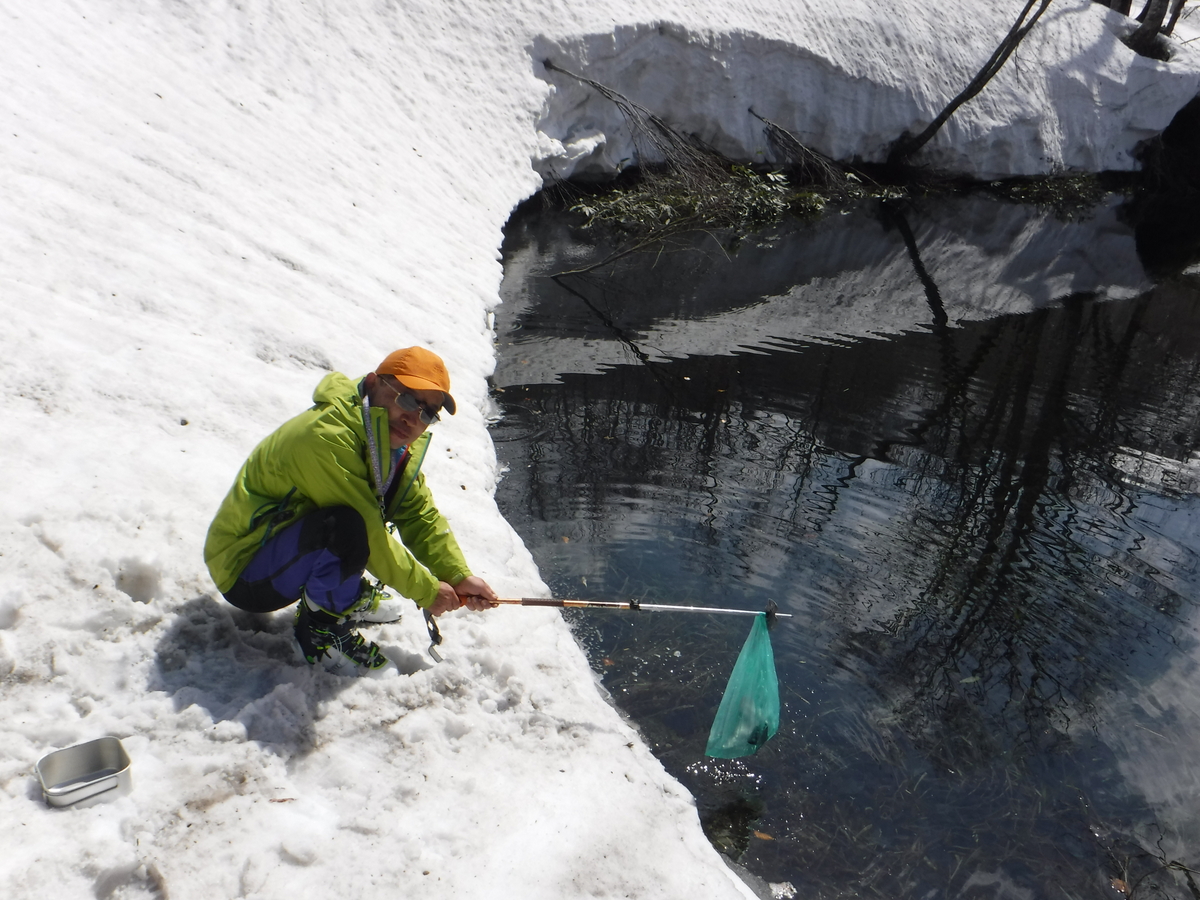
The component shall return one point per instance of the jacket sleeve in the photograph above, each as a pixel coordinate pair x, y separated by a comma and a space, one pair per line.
328, 469
427, 534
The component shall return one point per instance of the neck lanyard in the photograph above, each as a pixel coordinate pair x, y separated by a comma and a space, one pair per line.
381, 486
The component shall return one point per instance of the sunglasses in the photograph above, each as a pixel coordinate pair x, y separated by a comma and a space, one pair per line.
409, 403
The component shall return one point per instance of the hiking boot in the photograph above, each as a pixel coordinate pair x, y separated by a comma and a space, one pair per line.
325, 637
375, 606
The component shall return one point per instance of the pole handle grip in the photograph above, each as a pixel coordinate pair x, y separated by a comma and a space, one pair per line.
567, 603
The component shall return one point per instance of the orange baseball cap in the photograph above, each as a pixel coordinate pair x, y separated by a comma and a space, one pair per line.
421, 370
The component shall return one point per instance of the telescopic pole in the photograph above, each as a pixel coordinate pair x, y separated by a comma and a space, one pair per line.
637, 605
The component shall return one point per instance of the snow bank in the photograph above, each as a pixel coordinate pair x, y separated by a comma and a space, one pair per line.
204, 207
848, 79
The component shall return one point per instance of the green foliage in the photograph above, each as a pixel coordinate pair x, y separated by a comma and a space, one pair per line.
735, 198
807, 203
742, 199
1068, 196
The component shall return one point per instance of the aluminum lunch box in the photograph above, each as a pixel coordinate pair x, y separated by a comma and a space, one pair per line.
97, 770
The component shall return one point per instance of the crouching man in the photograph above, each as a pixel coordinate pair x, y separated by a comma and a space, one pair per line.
338, 490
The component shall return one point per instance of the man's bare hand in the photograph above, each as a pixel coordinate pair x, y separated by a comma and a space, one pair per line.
475, 593
472, 592
445, 601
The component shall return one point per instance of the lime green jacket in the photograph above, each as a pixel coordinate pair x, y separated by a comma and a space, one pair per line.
321, 458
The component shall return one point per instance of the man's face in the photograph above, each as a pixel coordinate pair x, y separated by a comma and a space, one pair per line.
404, 426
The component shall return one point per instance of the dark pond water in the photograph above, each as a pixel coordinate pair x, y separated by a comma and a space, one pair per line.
958, 441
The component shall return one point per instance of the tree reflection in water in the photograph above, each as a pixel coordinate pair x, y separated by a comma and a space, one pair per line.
984, 531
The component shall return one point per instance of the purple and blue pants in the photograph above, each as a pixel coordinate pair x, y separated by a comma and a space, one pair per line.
322, 554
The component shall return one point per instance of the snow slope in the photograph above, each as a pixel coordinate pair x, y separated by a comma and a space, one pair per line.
203, 207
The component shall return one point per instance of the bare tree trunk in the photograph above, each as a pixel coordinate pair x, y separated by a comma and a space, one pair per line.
1145, 41
1176, 9
906, 145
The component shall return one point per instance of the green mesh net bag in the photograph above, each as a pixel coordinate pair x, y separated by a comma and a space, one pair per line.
748, 716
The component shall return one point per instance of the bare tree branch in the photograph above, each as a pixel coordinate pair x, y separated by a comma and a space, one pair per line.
906, 145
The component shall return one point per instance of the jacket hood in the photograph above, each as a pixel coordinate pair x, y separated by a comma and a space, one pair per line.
336, 387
